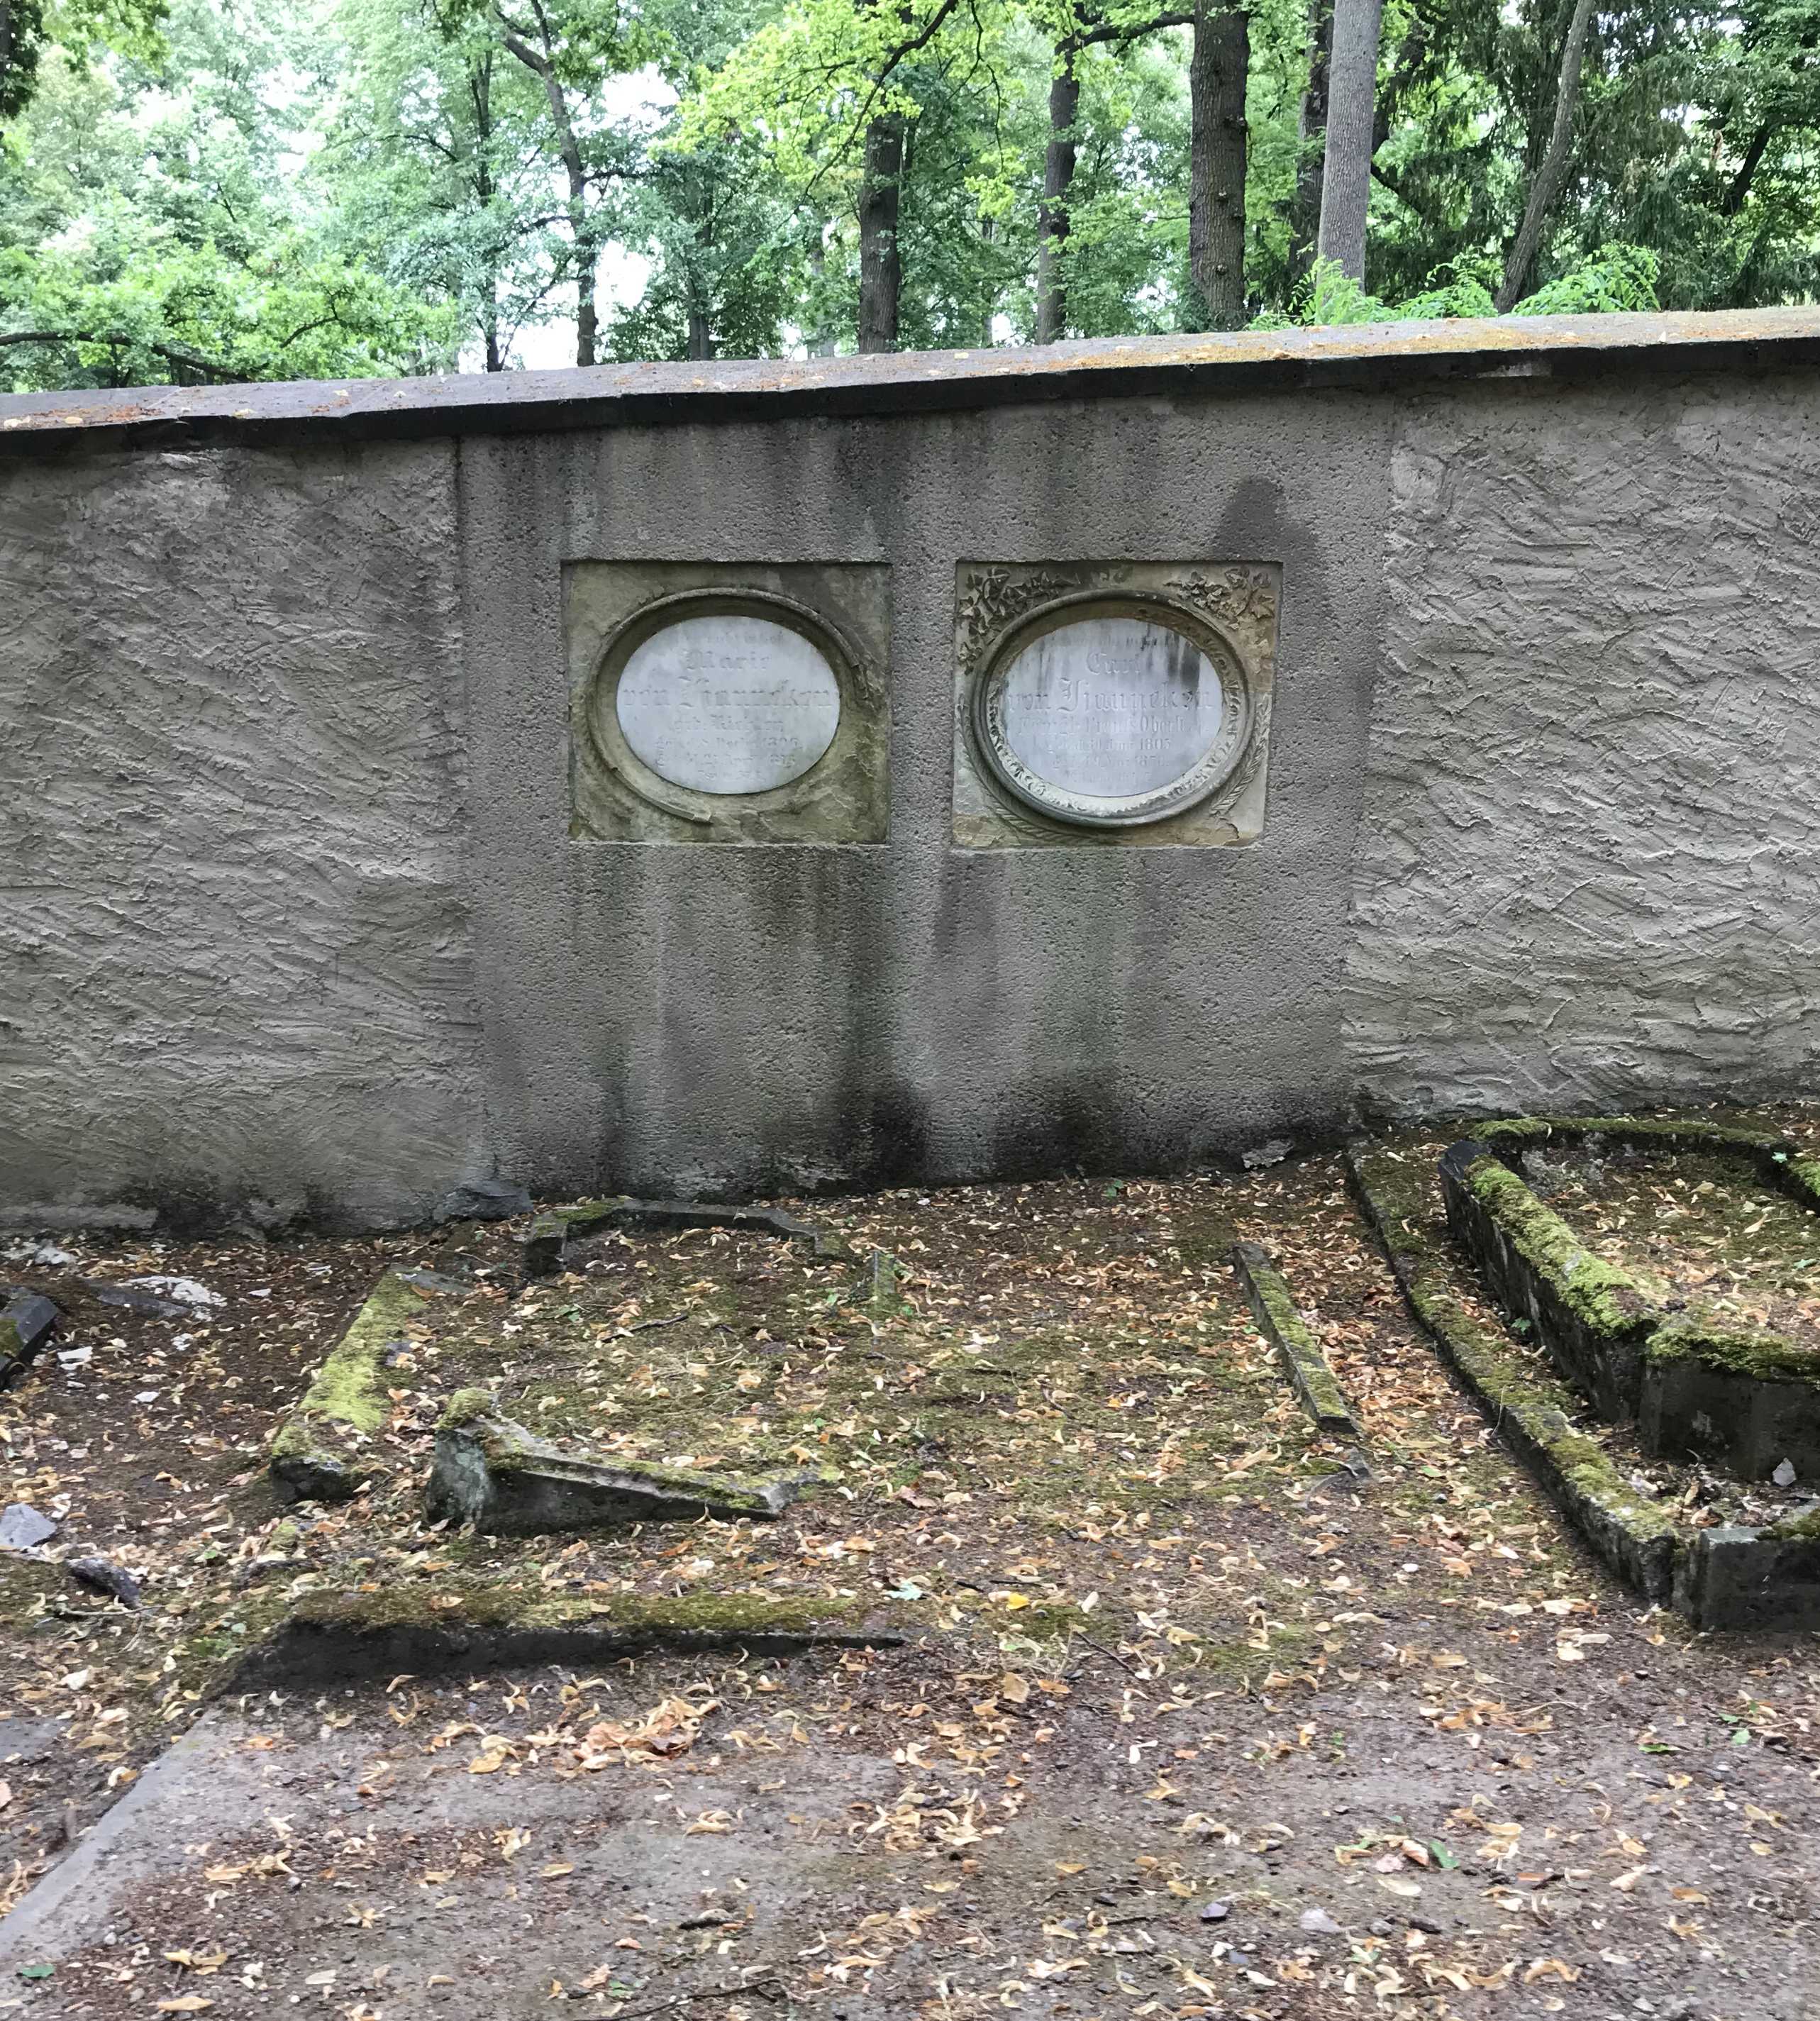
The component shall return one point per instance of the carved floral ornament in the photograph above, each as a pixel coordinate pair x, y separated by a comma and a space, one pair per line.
1116, 697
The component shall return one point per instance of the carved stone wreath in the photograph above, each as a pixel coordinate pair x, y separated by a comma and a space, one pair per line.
1227, 611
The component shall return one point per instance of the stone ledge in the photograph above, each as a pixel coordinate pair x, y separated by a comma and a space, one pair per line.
1365, 358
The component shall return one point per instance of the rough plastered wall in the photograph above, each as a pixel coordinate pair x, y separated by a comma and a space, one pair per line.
233, 952
1587, 867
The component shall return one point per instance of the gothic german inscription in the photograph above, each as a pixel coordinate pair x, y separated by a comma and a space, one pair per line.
1111, 718
728, 703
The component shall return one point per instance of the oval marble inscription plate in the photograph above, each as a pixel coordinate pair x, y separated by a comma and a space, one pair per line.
728, 703
1111, 720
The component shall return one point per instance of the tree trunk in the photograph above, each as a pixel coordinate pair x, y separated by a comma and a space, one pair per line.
822, 344
881, 269
1311, 133
1052, 217
1552, 174
486, 188
1215, 204
542, 63
700, 338
1352, 105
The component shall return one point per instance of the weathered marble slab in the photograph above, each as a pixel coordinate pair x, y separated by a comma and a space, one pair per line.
1106, 711
729, 703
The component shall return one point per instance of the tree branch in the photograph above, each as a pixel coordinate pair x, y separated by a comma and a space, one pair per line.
173, 354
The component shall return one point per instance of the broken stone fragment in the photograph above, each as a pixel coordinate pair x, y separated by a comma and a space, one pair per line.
26, 1320
544, 1245
186, 1291
23, 1528
495, 1475
133, 1299
102, 1575
484, 1199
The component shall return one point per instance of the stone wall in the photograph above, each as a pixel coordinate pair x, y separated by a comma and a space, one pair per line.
293, 917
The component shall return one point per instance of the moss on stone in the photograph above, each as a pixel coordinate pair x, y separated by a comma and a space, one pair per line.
466, 1406
346, 1388
316, 1451
1603, 1297
1632, 1529
1641, 1129
1764, 1358
508, 1616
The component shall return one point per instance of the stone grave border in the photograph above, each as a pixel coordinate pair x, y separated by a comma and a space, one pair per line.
1725, 1577
1745, 1398
1272, 1305
552, 1232
322, 1450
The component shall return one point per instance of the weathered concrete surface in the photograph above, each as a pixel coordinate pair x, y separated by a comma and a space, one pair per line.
235, 967
296, 919
723, 1021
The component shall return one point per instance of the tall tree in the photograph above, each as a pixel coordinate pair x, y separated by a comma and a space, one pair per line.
1059, 159
1351, 135
1311, 141
1218, 70
1076, 29
1551, 172
570, 50
76, 30
881, 205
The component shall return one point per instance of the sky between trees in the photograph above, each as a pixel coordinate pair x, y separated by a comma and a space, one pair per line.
217, 190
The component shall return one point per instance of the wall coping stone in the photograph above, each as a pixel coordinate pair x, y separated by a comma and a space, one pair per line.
1359, 357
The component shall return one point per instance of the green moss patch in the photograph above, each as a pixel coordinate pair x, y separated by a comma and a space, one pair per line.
321, 1451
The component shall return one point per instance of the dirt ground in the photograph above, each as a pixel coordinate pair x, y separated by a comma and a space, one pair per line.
1192, 1721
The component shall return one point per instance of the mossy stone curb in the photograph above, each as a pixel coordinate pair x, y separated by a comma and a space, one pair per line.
322, 1451
1778, 1161
1300, 1353
1720, 1577
483, 1626
1747, 1400
1629, 1530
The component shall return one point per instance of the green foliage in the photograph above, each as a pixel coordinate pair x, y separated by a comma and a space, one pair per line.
76, 30
1617, 279
250, 188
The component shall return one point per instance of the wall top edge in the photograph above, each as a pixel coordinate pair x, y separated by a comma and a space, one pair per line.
1362, 357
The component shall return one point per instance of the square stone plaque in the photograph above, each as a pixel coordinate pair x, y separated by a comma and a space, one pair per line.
1113, 703
727, 702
